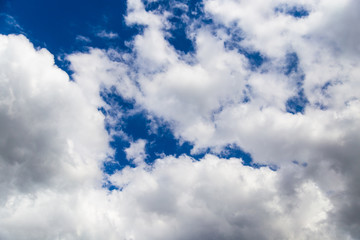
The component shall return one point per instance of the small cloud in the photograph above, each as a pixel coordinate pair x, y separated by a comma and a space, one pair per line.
81, 38
109, 35
136, 151
10, 21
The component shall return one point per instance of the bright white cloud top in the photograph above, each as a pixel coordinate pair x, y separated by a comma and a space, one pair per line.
53, 141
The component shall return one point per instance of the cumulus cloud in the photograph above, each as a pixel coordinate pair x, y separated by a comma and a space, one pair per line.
51, 179
50, 134
219, 199
216, 98
53, 140
136, 152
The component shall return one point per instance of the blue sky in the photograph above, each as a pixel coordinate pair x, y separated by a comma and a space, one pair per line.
179, 119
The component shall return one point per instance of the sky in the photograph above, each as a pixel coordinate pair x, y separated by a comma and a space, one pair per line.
179, 119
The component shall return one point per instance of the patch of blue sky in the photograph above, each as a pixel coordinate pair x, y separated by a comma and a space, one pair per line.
191, 8
234, 151
324, 91
67, 26
178, 37
119, 160
247, 93
292, 63
157, 6
184, 14
304, 164
255, 58
137, 124
321, 106
295, 104
160, 141
297, 11
112, 187
164, 143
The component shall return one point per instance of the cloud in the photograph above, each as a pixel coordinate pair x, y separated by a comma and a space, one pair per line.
109, 35
8, 22
46, 123
218, 199
214, 97
83, 39
136, 152
53, 140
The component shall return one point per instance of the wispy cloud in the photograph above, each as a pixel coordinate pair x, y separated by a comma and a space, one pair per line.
83, 39
11, 22
109, 35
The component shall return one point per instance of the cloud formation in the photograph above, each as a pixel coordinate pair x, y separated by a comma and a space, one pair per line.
297, 109
50, 134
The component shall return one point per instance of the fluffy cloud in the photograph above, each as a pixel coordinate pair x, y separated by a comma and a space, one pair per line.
218, 199
204, 93
53, 140
50, 135
51, 178
136, 152
214, 98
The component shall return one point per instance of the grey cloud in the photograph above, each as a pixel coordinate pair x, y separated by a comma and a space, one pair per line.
41, 113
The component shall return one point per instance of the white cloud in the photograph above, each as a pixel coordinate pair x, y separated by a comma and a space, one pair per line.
109, 35
204, 97
218, 199
52, 142
82, 38
136, 152
95, 71
50, 135
51, 180
212, 199
51, 163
